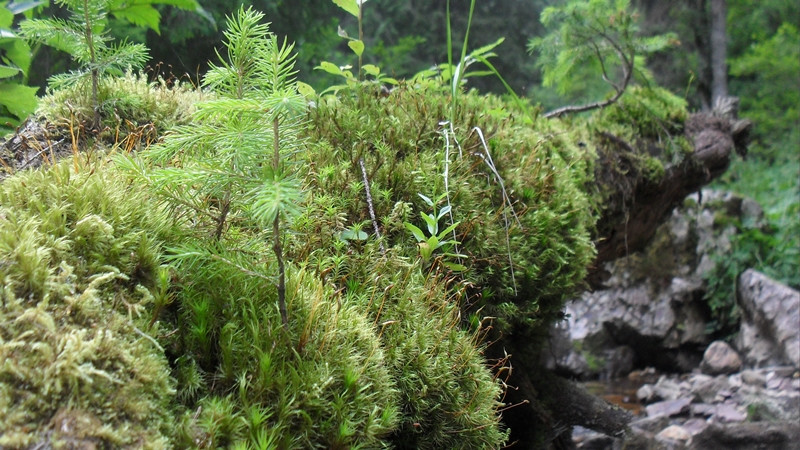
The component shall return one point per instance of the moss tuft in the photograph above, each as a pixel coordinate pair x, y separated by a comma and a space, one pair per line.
77, 252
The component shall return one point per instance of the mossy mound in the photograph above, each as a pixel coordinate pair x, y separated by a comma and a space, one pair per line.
516, 189
134, 112
79, 260
321, 383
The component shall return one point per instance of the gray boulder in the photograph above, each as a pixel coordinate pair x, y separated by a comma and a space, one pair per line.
651, 311
770, 327
720, 359
748, 436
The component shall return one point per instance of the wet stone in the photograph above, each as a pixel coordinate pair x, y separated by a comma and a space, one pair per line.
720, 359
703, 409
645, 393
754, 378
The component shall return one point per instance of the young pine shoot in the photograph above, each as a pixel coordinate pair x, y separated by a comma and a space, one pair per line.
231, 162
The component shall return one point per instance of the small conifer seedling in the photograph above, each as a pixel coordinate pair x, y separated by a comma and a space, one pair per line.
232, 160
84, 36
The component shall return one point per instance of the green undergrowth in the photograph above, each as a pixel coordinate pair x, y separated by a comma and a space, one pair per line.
523, 217
323, 384
156, 330
771, 246
79, 260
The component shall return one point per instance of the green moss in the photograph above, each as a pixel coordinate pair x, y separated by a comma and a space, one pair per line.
653, 170
324, 384
78, 253
448, 397
652, 111
403, 146
133, 110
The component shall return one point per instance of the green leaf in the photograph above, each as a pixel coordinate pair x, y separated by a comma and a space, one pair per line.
426, 199
418, 234
139, 14
371, 69
353, 235
188, 5
448, 230
17, 53
455, 267
6, 17
330, 68
443, 211
21, 7
433, 226
433, 243
18, 99
306, 90
348, 5
486, 48
8, 71
357, 47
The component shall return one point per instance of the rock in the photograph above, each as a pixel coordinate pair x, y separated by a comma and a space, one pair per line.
769, 333
703, 409
667, 389
708, 390
776, 383
586, 439
650, 424
720, 358
754, 378
695, 425
646, 393
748, 436
668, 408
653, 301
674, 434
727, 412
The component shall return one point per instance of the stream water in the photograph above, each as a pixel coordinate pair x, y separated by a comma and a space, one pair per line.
622, 391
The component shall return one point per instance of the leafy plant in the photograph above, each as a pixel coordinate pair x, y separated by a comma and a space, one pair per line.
435, 240
762, 74
144, 13
355, 8
773, 249
225, 170
17, 101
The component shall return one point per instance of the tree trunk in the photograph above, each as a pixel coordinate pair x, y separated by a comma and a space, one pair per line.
719, 44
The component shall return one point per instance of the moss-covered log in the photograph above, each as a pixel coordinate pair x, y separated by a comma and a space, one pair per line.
523, 198
637, 202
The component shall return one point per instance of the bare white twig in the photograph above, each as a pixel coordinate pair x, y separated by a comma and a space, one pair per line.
371, 208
